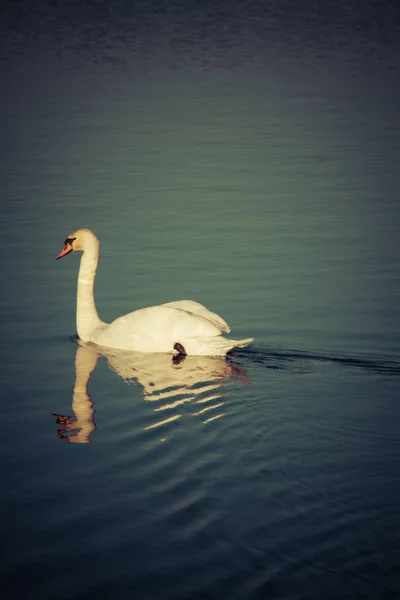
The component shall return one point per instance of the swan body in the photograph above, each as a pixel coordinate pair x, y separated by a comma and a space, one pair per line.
183, 326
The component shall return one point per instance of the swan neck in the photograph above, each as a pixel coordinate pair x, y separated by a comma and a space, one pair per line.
87, 319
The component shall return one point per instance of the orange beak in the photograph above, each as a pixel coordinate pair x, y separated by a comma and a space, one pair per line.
66, 250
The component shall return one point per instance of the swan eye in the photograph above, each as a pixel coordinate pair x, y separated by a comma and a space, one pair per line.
69, 241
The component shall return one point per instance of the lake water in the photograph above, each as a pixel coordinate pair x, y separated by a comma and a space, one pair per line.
228, 159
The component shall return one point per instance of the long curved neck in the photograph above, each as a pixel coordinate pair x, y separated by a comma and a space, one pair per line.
87, 319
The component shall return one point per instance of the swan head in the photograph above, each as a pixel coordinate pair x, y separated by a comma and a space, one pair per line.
78, 240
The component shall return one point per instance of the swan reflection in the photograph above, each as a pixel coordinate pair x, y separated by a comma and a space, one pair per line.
166, 382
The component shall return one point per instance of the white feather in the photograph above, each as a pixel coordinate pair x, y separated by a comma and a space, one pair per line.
153, 329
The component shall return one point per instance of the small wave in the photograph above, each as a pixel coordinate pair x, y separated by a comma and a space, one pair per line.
295, 359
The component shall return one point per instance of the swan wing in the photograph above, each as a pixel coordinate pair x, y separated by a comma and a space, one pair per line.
155, 329
195, 308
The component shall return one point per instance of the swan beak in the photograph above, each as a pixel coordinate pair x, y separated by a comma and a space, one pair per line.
66, 250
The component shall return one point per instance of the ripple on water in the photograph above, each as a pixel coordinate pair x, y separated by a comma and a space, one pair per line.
249, 504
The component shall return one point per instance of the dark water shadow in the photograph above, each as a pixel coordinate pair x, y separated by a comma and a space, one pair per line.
298, 360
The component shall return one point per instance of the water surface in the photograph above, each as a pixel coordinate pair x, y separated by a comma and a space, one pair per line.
256, 174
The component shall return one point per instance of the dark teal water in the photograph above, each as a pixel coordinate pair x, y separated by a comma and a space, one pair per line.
257, 174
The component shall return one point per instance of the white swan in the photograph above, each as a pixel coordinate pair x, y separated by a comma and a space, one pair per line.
181, 327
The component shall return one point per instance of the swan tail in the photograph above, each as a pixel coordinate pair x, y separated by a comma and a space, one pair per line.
242, 343
213, 346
